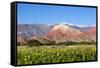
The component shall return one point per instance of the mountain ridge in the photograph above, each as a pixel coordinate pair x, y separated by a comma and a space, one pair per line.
56, 32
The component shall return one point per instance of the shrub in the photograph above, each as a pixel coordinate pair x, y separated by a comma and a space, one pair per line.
50, 43
34, 43
77, 43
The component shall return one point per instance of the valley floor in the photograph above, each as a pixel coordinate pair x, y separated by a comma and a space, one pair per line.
55, 54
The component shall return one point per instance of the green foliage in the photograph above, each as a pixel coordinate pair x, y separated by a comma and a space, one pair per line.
67, 43
77, 43
50, 43
18, 44
57, 54
34, 43
87, 43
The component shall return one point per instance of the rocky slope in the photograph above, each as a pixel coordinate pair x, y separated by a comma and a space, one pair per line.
57, 33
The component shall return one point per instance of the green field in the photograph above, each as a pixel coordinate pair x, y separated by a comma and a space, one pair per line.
55, 54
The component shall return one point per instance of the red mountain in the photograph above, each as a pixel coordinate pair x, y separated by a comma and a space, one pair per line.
61, 33
88, 35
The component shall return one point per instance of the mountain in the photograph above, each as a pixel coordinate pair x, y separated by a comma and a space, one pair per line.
89, 35
63, 33
83, 29
56, 32
41, 29
32, 29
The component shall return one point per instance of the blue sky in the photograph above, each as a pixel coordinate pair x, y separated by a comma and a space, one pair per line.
48, 14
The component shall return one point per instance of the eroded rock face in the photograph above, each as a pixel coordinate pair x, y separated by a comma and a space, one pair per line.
61, 33
57, 33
